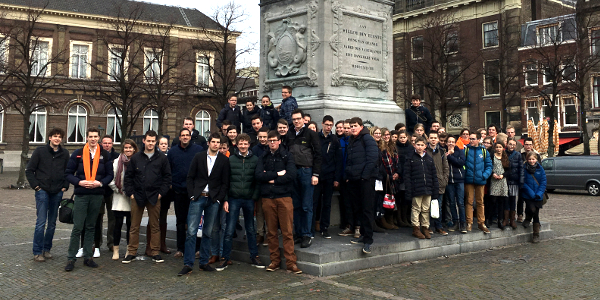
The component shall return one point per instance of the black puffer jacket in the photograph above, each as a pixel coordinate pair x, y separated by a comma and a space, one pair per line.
515, 176
233, 115
362, 159
420, 177
242, 183
266, 170
331, 153
456, 163
247, 119
270, 116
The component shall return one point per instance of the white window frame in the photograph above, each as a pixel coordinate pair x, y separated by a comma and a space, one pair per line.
210, 57
88, 67
35, 43
536, 71
544, 39
200, 117
110, 57
114, 113
544, 76
483, 35
563, 107
595, 42
532, 103
151, 118
412, 48
485, 75
595, 91
35, 114
147, 69
76, 126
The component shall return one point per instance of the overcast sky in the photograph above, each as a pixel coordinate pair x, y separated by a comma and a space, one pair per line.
250, 30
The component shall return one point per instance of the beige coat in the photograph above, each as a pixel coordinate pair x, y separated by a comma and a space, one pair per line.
120, 201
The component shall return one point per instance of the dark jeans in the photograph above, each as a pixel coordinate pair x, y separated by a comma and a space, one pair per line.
322, 204
111, 221
437, 223
363, 197
182, 206
119, 216
85, 213
520, 203
510, 203
165, 205
46, 206
210, 209
532, 211
218, 235
247, 206
456, 196
302, 196
495, 210
346, 203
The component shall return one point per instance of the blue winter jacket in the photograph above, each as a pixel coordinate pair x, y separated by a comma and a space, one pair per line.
515, 176
456, 162
288, 105
532, 190
180, 160
477, 168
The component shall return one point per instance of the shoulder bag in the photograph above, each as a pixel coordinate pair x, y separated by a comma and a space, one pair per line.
545, 197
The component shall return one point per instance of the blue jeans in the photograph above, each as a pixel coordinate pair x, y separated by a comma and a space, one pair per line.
437, 223
456, 194
302, 196
211, 210
216, 244
46, 206
247, 206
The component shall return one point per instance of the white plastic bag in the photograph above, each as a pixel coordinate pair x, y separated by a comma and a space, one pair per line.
434, 209
378, 185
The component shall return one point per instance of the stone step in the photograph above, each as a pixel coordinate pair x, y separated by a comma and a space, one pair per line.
337, 255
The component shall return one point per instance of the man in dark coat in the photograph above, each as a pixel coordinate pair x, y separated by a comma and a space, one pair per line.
268, 113
231, 112
248, 112
107, 144
416, 114
360, 174
146, 181
45, 173
197, 138
288, 104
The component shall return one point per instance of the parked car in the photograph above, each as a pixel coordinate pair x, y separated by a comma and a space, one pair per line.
573, 173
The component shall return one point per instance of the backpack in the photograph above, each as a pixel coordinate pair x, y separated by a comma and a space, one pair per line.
484, 151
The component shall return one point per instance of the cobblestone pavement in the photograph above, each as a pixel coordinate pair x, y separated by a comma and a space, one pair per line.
564, 267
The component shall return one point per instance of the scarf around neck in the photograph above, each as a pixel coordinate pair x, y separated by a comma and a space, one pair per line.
90, 174
122, 164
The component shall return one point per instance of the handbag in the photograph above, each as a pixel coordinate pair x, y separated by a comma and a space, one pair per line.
65, 210
389, 201
545, 197
434, 209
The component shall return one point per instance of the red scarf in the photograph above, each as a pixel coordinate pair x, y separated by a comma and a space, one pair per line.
86, 163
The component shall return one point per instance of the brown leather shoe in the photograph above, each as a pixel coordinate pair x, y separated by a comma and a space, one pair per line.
294, 269
469, 227
213, 259
425, 232
417, 233
39, 258
47, 255
483, 228
260, 239
441, 231
178, 254
273, 267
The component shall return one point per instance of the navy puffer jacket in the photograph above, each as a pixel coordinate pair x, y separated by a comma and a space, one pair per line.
515, 176
456, 162
362, 159
420, 176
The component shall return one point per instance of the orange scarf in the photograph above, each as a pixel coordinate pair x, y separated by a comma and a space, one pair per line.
86, 163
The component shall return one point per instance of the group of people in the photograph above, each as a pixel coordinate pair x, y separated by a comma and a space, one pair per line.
274, 164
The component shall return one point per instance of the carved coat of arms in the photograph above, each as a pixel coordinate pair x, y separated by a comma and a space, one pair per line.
287, 48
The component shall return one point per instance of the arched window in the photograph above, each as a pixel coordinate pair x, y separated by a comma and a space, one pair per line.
150, 120
202, 122
76, 125
113, 124
37, 125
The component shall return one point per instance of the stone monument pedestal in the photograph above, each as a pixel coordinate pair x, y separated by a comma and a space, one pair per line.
335, 54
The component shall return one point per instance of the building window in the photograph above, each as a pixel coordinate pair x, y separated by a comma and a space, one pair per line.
492, 117
452, 43
569, 112
37, 125
490, 34
4, 42
203, 122
80, 60
418, 88
115, 62
533, 112
77, 124
113, 124
417, 47
569, 72
531, 74
203, 71
548, 35
595, 41
40, 53
492, 77
453, 81
153, 65
150, 120
596, 89
548, 75
545, 109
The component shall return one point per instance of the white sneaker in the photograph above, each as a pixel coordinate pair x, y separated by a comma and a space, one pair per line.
97, 252
79, 253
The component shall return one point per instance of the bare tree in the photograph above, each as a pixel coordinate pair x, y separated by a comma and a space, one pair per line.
219, 51
120, 75
509, 70
440, 67
34, 69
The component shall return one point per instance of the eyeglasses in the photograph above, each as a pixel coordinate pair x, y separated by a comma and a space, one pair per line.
273, 141
472, 139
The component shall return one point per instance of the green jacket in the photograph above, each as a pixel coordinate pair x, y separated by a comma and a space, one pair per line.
243, 185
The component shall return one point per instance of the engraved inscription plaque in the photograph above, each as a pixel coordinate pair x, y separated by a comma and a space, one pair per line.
362, 48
